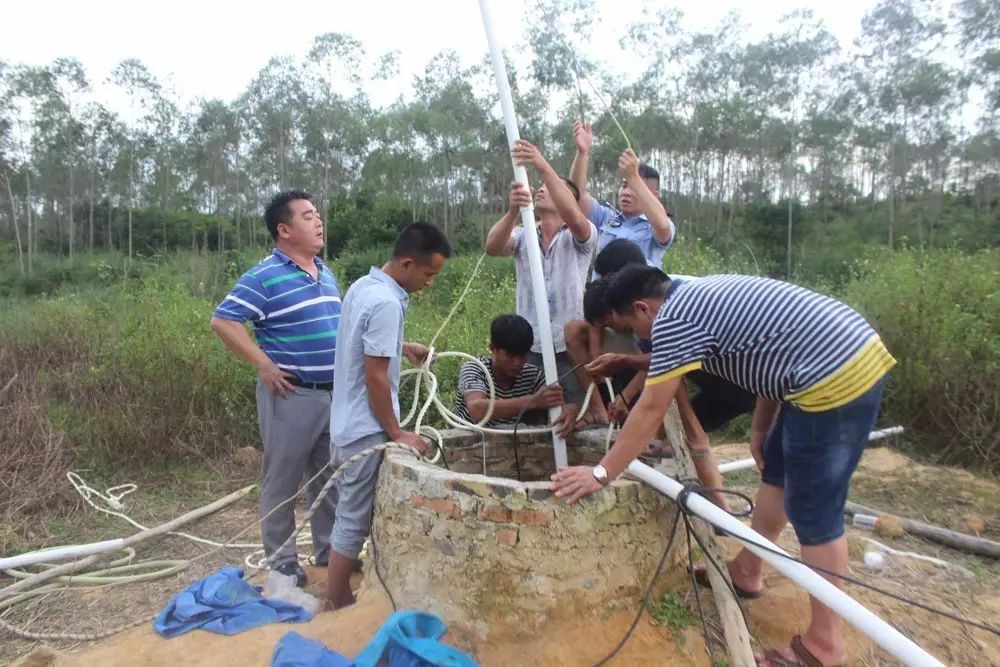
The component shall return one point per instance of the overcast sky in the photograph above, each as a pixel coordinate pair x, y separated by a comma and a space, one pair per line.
212, 48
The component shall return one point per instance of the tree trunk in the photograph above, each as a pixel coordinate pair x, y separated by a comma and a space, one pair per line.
131, 191
892, 193
111, 218
17, 227
788, 248
72, 225
90, 212
164, 204
718, 194
31, 229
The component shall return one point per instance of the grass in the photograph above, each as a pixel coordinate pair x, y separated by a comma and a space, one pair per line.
673, 614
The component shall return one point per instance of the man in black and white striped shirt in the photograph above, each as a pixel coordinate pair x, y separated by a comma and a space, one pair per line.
519, 387
817, 369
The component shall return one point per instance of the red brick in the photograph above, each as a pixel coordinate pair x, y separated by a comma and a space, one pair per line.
439, 505
495, 513
507, 537
531, 517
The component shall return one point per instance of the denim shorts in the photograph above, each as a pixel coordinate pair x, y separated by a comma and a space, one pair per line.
812, 455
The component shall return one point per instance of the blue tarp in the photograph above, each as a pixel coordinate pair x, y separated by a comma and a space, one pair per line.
226, 604
406, 639
294, 650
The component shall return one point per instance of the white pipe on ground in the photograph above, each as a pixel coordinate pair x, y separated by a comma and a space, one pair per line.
842, 604
745, 464
60, 553
538, 289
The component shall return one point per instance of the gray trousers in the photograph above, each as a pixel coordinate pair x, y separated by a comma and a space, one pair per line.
356, 494
296, 436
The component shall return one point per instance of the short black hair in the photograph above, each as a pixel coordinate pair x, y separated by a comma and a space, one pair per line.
636, 282
647, 172
278, 211
420, 241
512, 334
616, 255
572, 188
595, 301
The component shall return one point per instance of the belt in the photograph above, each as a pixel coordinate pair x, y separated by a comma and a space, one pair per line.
322, 386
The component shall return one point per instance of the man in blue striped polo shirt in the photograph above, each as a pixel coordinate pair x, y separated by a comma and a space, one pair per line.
293, 301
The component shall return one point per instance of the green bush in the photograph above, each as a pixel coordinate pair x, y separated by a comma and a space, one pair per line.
939, 314
132, 374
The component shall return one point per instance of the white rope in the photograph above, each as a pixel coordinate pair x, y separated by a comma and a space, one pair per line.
114, 507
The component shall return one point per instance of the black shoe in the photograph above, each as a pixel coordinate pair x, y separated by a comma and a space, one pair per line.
293, 569
323, 559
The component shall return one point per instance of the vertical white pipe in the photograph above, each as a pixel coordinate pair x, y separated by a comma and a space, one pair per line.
538, 290
840, 602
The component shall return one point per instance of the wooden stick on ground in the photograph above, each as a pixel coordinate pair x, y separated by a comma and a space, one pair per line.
961, 541
74, 566
733, 623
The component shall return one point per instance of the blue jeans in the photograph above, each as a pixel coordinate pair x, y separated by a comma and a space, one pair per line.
812, 455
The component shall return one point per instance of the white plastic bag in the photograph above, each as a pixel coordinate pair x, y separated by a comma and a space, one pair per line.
282, 587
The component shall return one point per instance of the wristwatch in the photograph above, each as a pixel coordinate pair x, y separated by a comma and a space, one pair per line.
601, 474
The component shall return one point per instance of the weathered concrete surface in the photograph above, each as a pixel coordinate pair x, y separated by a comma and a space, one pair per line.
480, 550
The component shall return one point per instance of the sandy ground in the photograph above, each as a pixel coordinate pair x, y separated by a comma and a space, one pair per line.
970, 589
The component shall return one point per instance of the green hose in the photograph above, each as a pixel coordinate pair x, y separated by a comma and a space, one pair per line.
117, 572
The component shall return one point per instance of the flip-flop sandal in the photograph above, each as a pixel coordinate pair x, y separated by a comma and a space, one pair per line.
806, 656
775, 658
701, 576
803, 656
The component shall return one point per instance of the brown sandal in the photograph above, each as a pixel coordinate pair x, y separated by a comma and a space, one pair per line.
803, 656
701, 576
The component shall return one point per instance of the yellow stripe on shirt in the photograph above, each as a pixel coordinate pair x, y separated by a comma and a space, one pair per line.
680, 370
851, 380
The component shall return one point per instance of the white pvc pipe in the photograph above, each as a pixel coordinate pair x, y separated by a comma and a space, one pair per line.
538, 290
60, 553
884, 433
842, 604
733, 466
744, 464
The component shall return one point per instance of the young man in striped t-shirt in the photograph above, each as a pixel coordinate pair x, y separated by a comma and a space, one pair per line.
293, 301
519, 387
818, 370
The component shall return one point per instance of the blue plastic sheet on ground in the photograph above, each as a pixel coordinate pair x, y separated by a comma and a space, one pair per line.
294, 650
226, 604
406, 639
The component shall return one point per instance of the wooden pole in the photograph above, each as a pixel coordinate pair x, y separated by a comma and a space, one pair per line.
74, 566
733, 624
961, 541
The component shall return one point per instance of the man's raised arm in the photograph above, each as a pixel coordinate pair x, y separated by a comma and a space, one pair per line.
499, 240
583, 137
525, 153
